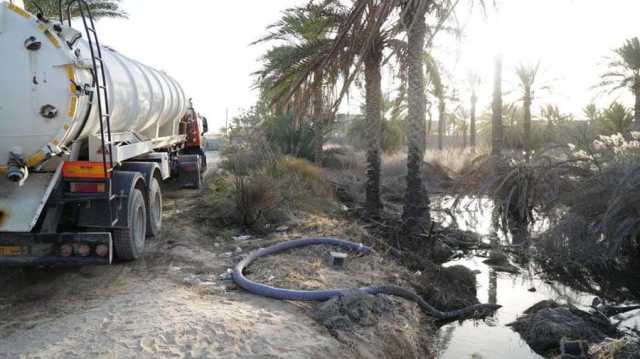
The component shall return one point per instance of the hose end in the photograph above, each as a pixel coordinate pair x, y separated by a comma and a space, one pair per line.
17, 169
17, 174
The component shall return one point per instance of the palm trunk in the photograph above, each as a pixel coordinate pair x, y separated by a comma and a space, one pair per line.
318, 118
416, 207
373, 79
464, 138
636, 115
441, 124
497, 139
472, 126
527, 123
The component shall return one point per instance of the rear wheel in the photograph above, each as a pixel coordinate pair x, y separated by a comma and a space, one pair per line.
154, 214
129, 242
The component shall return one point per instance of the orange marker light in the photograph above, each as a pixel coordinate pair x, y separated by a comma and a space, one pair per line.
84, 169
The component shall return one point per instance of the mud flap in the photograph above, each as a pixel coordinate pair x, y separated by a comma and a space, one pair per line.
190, 171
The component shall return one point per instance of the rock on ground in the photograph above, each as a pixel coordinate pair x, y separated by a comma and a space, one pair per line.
447, 288
354, 308
547, 323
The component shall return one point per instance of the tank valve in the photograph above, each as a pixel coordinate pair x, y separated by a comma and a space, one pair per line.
32, 44
17, 171
49, 111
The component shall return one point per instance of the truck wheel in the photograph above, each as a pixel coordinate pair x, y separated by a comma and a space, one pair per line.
154, 224
129, 242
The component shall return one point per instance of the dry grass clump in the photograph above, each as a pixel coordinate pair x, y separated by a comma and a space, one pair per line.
343, 158
303, 186
625, 348
250, 201
351, 181
257, 189
456, 160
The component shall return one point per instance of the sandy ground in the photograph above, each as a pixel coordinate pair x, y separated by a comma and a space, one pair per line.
175, 303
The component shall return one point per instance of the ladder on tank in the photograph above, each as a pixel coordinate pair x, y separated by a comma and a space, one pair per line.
99, 96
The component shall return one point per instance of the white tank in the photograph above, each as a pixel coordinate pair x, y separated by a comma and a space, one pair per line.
44, 69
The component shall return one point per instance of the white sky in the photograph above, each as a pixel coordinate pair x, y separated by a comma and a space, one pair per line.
571, 38
204, 44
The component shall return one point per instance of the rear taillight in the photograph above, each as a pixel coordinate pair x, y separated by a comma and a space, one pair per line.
188, 167
102, 250
83, 250
66, 250
86, 187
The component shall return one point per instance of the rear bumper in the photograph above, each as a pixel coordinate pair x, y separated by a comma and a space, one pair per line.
43, 249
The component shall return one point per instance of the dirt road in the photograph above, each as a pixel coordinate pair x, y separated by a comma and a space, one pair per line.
171, 304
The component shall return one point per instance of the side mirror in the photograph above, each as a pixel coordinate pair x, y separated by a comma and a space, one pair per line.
205, 125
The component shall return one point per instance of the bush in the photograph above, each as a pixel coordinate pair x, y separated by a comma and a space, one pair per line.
393, 135
290, 137
256, 190
302, 185
588, 196
343, 158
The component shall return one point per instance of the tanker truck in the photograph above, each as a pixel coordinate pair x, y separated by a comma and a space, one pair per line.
87, 137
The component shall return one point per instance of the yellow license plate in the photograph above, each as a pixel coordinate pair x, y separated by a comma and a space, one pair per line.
10, 251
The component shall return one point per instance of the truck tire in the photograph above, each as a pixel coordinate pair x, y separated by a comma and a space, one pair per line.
128, 242
154, 213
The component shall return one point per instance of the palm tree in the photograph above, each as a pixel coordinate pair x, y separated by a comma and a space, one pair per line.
592, 113
497, 132
625, 73
474, 82
99, 8
527, 76
356, 36
374, 108
288, 69
460, 125
361, 39
616, 119
366, 35
554, 118
416, 207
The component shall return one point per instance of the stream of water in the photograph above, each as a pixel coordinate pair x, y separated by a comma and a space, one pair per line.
492, 338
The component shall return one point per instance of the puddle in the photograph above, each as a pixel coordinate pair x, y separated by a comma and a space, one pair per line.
492, 338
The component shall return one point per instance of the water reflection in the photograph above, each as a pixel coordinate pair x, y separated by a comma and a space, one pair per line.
493, 287
516, 293
492, 338
481, 216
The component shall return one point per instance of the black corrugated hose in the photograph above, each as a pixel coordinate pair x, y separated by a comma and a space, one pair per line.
476, 311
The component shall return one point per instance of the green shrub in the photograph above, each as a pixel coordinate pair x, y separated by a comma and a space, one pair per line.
290, 137
393, 135
302, 185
